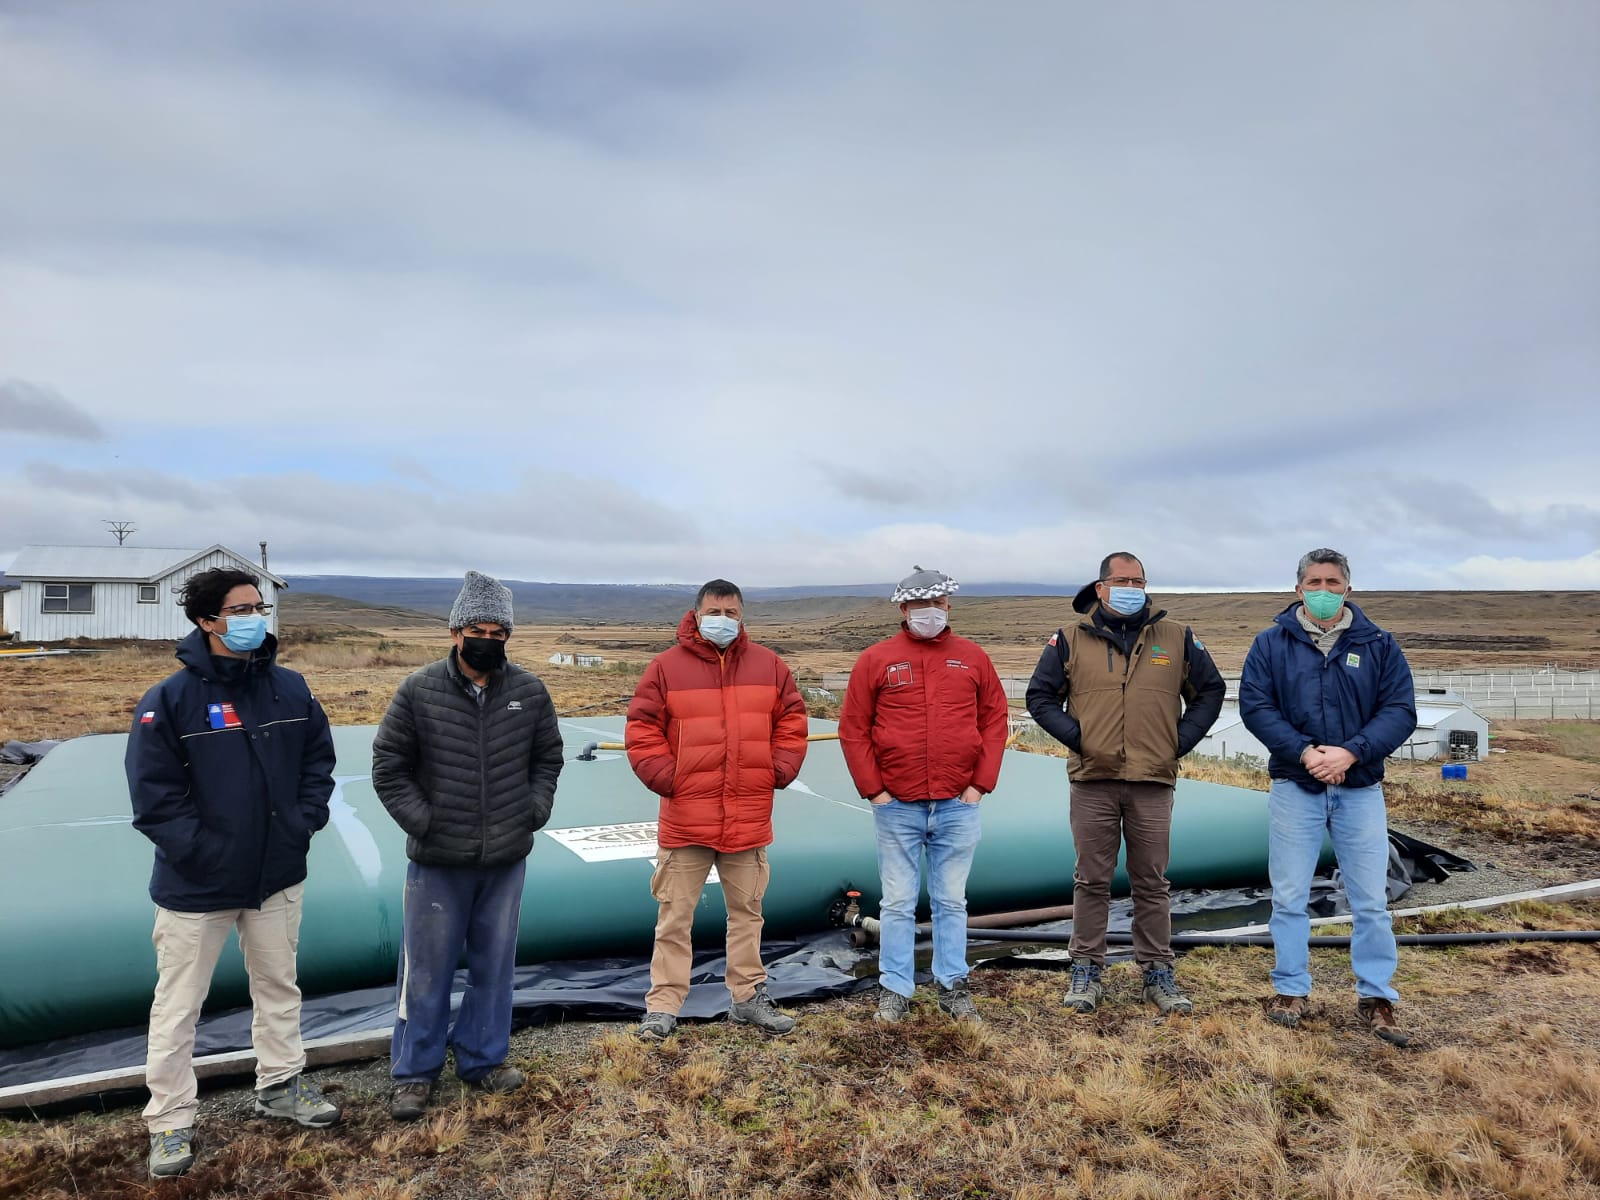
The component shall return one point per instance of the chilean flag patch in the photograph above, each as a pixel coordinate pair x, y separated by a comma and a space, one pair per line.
223, 716
147, 718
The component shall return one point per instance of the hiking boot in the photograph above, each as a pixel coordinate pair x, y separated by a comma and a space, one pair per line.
761, 1012
297, 1100
410, 1100
957, 1001
892, 1006
171, 1153
501, 1079
1084, 994
1287, 1010
1161, 989
1378, 1014
656, 1027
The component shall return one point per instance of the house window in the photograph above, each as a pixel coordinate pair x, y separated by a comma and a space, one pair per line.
68, 598
149, 593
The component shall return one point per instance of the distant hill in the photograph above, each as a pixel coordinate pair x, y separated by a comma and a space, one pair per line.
568, 603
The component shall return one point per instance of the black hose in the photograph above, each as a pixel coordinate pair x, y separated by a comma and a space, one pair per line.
1189, 940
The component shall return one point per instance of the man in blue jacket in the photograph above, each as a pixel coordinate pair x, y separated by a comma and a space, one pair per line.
230, 766
1330, 695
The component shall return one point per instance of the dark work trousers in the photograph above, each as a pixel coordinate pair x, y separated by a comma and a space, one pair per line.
1105, 813
446, 909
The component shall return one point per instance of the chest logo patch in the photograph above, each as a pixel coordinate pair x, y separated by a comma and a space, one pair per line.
957, 664
1352, 660
223, 717
1159, 657
514, 706
898, 675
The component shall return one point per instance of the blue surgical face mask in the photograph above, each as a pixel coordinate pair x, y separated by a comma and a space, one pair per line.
1323, 606
718, 630
244, 633
1125, 600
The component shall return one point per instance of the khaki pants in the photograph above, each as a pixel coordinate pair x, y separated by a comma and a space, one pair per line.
187, 948
1105, 813
679, 877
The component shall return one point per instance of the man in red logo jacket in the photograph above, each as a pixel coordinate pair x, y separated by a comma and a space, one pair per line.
923, 729
716, 724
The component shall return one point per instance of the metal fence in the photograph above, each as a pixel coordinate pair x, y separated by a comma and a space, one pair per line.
1524, 692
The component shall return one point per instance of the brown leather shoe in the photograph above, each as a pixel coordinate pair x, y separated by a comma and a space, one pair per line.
1379, 1016
1287, 1010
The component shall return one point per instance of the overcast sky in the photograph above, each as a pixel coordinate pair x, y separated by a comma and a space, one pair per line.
808, 293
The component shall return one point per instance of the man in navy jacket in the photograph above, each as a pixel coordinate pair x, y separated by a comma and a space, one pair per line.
1330, 695
230, 766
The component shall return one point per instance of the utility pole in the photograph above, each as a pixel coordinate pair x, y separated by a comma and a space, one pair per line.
121, 530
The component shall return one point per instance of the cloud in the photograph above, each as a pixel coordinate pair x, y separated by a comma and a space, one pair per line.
40, 411
763, 291
1513, 573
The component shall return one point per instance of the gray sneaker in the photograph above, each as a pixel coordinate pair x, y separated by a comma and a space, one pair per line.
171, 1153
297, 1100
501, 1079
656, 1027
1161, 989
761, 1012
957, 1001
892, 1006
1084, 994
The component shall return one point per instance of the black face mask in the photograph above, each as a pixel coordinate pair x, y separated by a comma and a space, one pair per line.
483, 654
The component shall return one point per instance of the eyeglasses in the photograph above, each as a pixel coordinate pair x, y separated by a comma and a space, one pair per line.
243, 610
1132, 581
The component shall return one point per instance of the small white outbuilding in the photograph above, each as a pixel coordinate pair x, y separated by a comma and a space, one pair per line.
114, 592
1438, 715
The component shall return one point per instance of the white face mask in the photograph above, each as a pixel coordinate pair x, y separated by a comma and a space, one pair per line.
927, 622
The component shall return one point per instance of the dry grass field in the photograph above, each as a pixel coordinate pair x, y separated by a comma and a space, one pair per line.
1497, 1098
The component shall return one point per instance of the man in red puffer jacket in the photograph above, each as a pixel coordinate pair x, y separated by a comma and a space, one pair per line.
715, 726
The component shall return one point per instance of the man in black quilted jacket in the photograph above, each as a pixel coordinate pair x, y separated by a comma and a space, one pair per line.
466, 762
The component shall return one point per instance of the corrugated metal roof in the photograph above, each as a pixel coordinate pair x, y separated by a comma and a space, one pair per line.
144, 563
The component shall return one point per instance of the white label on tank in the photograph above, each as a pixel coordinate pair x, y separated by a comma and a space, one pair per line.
603, 843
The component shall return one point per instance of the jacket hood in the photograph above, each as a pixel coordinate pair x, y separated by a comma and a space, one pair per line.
194, 652
1361, 628
689, 638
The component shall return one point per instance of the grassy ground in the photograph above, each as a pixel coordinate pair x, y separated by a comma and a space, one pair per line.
1497, 1098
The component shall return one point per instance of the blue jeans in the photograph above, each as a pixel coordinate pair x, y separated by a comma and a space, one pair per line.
947, 831
1358, 823
446, 909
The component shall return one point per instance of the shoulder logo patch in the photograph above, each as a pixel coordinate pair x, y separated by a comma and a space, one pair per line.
147, 718
1159, 657
1352, 660
1198, 644
1052, 640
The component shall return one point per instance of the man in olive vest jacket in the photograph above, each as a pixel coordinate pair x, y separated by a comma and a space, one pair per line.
1129, 693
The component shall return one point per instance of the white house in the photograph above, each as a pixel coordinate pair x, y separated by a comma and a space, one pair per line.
1438, 714
563, 658
113, 591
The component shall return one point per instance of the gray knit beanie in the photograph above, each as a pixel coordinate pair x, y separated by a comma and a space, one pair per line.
924, 585
483, 598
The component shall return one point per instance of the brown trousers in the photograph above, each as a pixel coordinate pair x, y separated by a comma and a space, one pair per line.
679, 878
1105, 812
